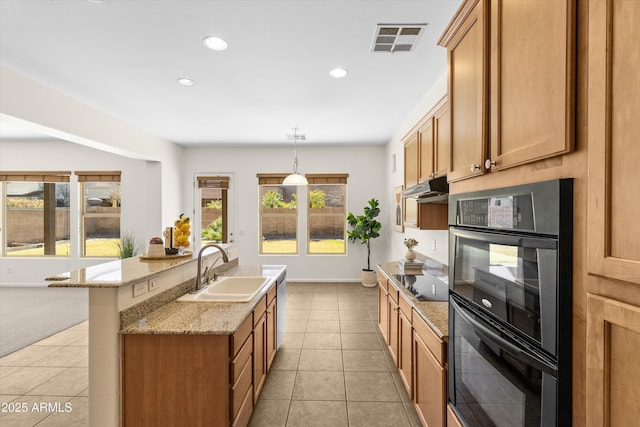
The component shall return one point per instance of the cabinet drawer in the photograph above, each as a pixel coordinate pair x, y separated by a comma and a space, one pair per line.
239, 390
405, 307
246, 408
393, 293
432, 341
272, 293
241, 335
259, 311
383, 281
237, 364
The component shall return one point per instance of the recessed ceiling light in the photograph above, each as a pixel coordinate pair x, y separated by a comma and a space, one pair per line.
215, 43
186, 82
338, 73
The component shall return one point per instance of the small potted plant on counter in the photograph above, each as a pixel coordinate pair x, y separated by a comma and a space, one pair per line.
410, 244
364, 228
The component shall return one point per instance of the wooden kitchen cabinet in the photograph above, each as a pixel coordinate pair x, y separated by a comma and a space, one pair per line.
411, 160
383, 310
259, 347
392, 343
426, 146
467, 58
526, 105
429, 375
425, 150
441, 129
405, 344
187, 379
271, 333
613, 240
614, 151
532, 80
613, 371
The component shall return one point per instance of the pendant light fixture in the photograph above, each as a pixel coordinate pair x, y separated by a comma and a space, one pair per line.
295, 178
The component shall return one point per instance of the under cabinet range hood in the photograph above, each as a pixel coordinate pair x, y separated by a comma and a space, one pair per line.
433, 191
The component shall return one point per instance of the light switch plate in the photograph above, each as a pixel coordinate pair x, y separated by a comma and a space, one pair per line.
433, 244
153, 285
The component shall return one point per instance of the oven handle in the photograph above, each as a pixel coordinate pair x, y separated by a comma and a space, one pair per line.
507, 239
490, 334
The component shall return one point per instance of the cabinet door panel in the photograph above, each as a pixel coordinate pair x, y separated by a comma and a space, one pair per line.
271, 333
405, 349
259, 356
532, 80
614, 151
467, 96
429, 386
411, 161
613, 371
425, 144
441, 129
383, 312
393, 329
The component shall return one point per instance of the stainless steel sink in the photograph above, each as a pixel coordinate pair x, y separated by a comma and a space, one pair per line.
229, 289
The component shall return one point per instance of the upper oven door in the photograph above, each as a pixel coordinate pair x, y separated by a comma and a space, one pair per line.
512, 276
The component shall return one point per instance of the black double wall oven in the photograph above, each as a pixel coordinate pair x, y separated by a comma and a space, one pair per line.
510, 305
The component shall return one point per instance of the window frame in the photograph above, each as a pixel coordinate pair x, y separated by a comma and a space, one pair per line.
42, 177
327, 179
275, 180
96, 177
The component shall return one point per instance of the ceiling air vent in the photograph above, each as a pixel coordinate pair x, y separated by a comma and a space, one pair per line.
396, 37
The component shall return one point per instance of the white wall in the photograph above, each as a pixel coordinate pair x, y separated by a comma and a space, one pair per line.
365, 166
53, 113
140, 200
396, 248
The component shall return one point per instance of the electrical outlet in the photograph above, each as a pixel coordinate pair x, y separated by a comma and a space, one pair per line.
139, 289
153, 285
433, 244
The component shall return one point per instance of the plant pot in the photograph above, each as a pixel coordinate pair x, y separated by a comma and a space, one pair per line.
369, 278
410, 255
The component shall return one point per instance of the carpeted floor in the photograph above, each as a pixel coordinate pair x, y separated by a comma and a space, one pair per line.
29, 314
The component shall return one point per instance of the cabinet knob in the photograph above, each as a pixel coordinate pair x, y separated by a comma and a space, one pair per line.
488, 163
474, 167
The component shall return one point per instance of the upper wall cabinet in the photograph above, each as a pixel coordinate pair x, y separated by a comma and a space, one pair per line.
426, 146
614, 149
511, 83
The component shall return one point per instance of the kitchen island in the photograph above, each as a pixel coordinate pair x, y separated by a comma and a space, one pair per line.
134, 296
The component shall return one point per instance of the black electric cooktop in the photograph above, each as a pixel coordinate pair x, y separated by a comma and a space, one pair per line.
431, 285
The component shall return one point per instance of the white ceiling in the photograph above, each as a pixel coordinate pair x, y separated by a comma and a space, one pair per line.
125, 56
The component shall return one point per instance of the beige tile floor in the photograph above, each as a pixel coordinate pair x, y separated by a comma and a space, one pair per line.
332, 369
46, 384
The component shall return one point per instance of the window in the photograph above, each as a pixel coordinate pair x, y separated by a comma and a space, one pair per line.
326, 216
100, 222
36, 213
278, 215
213, 209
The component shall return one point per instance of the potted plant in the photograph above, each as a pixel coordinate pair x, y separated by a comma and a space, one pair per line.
363, 229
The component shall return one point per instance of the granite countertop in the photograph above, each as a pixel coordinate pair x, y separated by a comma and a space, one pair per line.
435, 313
115, 274
204, 318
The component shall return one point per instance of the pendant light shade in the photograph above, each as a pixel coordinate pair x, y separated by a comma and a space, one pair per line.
295, 178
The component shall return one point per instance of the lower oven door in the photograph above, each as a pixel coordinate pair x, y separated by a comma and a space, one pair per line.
493, 380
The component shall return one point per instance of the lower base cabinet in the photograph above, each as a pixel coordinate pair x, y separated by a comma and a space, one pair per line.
198, 380
420, 355
430, 385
